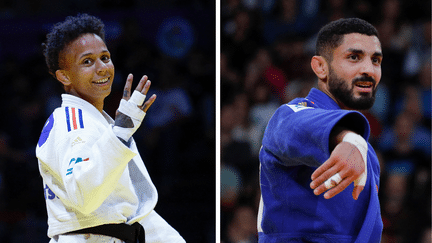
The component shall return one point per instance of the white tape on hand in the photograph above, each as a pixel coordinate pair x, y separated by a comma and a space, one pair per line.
137, 98
362, 146
333, 181
132, 110
129, 112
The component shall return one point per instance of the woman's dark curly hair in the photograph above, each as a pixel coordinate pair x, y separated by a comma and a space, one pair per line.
65, 32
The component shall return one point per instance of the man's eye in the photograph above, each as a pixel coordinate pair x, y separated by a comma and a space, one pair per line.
353, 57
376, 60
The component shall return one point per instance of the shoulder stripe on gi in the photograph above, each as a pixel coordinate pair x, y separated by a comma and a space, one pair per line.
80, 118
67, 118
73, 116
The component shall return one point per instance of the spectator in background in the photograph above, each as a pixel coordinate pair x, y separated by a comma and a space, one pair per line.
228, 9
263, 105
395, 212
240, 38
394, 21
407, 133
334, 9
424, 79
228, 74
419, 51
396, 33
426, 235
231, 183
242, 137
262, 68
242, 226
290, 56
289, 18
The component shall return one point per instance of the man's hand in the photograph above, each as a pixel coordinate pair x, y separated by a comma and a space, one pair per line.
346, 160
131, 111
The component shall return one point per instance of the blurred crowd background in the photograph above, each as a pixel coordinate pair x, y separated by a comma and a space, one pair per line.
266, 47
171, 41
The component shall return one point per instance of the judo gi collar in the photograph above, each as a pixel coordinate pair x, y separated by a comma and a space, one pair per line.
322, 100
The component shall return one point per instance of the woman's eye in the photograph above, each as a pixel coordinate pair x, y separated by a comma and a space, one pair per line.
87, 61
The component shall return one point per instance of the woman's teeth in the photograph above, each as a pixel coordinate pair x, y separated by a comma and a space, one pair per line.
102, 81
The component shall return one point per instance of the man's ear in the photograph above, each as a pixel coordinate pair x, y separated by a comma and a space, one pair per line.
320, 67
62, 77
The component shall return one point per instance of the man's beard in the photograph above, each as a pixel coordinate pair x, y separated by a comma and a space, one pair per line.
340, 90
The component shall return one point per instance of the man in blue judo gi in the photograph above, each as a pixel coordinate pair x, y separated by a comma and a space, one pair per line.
318, 144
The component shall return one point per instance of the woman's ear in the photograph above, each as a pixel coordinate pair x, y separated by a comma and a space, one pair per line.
320, 67
62, 77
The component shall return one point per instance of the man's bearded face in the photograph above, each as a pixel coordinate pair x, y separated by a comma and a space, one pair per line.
343, 90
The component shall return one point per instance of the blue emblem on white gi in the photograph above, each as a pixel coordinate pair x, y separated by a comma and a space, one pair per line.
46, 130
48, 193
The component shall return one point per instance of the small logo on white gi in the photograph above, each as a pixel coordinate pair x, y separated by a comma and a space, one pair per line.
77, 141
77, 160
297, 108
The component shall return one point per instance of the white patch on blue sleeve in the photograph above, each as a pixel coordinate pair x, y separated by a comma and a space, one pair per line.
297, 108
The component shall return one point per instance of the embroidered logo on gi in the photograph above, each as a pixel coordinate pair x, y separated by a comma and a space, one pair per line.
297, 108
77, 141
74, 118
303, 103
77, 160
46, 130
48, 193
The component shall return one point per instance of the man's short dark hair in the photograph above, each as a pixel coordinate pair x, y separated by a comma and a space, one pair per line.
65, 32
331, 35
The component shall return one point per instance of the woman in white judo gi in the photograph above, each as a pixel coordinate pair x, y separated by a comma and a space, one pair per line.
97, 188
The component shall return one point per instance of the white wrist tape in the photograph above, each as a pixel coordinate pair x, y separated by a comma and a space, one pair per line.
137, 98
362, 146
130, 108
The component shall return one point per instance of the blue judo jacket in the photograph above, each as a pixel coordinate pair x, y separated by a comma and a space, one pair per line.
295, 143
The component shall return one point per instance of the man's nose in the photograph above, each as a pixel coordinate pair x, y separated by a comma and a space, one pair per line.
368, 68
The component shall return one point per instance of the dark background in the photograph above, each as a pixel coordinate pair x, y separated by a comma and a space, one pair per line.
173, 42
266, 48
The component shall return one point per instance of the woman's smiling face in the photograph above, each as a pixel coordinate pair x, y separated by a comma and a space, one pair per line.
86, 69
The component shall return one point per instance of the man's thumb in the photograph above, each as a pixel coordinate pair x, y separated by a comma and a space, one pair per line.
356, 191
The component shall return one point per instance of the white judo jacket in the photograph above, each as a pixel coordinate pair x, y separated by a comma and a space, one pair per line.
90, 177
